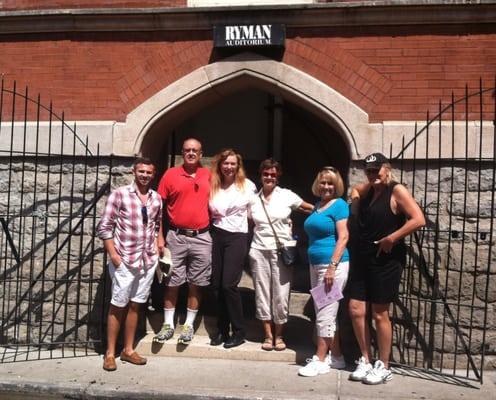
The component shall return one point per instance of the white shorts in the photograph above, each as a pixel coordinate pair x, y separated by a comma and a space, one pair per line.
130, 284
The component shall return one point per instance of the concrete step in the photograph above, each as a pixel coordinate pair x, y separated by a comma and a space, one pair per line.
206, 325
300, 301
297, 335
200, 348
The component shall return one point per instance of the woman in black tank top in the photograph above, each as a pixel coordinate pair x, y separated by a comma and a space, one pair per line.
385, 213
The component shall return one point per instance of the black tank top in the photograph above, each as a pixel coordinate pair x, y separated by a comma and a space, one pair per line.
377, 220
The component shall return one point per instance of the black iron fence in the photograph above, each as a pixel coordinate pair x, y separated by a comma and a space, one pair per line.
51, 266
446, 306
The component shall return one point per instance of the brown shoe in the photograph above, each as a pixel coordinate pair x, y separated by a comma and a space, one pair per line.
109, 363
134, 358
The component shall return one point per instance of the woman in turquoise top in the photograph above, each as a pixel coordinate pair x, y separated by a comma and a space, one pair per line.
328, 234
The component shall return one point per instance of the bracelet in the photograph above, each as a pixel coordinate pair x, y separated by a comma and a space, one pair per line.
334, 263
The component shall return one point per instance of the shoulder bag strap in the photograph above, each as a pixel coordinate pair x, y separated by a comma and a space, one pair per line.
278, 243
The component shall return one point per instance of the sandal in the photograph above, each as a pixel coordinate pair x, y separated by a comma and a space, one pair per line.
280, 345
267, 344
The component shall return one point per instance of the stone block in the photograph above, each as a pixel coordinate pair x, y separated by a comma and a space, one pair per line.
457, 286
475, 258
472, 206
486, 288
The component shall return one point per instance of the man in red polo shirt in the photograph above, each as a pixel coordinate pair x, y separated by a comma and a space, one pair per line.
185, 191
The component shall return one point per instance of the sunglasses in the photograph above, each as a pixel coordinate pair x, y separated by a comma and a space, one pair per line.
269, 175
372, 171
144, 215
332, 169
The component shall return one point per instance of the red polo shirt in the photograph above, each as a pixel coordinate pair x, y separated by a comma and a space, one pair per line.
186, 197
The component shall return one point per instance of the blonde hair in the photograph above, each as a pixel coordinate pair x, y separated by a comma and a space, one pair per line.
336, 180
389, 174
216, 174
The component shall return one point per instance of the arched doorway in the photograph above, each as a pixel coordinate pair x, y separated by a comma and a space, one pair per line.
258, 106
261, 108
259, 125
146, 128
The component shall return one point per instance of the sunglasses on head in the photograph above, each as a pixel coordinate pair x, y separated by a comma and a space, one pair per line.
332, 169
144, 215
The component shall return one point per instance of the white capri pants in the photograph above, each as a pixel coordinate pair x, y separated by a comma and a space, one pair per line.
130, 284
325, 320
272, 281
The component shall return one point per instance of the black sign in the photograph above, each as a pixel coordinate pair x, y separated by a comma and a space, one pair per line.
249, 35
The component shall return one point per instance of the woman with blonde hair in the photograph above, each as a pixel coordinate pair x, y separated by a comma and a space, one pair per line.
230, 192
327, 232
386, 213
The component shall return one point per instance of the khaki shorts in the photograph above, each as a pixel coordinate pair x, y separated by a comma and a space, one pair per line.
191, 258
130, 284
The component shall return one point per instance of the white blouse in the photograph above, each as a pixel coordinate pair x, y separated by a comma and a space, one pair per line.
282, 202
229, 207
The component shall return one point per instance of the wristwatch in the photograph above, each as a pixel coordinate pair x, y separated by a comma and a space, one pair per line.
334, 263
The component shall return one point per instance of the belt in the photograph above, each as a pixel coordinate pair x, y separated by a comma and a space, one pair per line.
189, 232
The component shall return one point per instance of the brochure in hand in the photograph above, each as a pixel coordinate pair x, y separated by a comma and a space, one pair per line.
322, 298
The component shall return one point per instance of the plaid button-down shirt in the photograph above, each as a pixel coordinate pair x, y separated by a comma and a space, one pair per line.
123, 221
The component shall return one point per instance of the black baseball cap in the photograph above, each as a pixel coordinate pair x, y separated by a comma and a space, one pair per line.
375, 160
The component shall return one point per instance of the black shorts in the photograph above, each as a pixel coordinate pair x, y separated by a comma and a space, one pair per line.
376, 279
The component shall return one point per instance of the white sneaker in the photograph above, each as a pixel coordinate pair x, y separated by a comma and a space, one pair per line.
362, 369
314, 367
337, 362
379, 374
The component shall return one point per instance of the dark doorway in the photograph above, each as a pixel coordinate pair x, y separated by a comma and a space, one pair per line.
259, 125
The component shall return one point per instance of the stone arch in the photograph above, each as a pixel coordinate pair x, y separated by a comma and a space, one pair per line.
207, 84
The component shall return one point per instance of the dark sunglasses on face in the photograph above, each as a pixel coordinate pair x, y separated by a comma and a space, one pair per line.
144, 214
372, 171
269, 175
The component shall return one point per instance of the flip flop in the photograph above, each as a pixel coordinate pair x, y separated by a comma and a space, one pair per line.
267, 344
280, 345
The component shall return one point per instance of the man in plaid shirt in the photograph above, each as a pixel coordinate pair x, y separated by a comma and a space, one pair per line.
129, 229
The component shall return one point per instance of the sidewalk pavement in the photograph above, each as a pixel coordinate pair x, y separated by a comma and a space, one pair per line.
190, 378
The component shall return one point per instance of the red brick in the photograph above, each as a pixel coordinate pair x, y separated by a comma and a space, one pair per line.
130, 71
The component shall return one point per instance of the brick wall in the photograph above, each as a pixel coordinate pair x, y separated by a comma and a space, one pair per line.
57, 4
398, 75
391, 75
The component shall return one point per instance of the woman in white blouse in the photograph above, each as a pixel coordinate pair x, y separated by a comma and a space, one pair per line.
230, 192
272, 279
